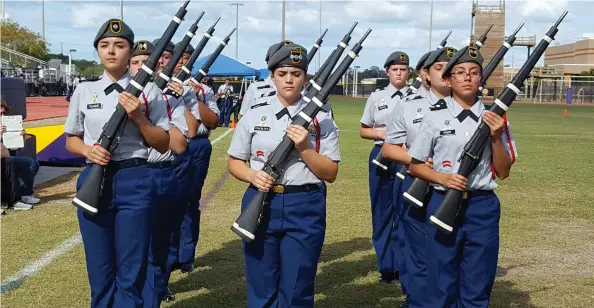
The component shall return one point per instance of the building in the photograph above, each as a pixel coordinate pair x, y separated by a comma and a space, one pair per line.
573, 58
483, 16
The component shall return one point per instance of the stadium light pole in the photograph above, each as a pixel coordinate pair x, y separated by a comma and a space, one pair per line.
237, 4
70, 62
430, 24
122, 10
43, 20
283, 21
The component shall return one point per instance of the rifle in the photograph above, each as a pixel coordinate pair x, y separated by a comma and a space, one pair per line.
445, 214
87, 197
247, 224
418, 81
316, 46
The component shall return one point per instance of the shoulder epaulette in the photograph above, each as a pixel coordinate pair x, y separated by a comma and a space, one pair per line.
259, 105
413, 97
266, 86
271, 93
379, 89
440, 105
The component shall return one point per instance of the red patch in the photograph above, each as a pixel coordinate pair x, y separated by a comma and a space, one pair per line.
259, 153
446, 164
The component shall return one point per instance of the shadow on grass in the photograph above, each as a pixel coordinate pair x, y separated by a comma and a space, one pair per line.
220, 275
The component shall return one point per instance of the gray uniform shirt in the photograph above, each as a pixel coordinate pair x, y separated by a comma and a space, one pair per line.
177, 118
406, 118
255, 91
205, 95
379, 107
443, 137
90, 109
260, 131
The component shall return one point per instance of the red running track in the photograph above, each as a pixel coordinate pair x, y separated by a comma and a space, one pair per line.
45, 107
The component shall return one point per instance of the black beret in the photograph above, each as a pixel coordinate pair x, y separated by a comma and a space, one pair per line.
421, 62
440, 55
114, 28
189, 49
274, 48
143, 48
170, 47
397, 57
292, 55
467, 54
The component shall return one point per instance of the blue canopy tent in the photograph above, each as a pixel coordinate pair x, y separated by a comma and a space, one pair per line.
226, 66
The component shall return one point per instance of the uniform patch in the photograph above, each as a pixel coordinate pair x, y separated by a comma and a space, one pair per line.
259, 153
94, 105
450, 52
473, 52
382, 107
296, 55
271, 93
115, 26
449, 132
266, 86
259, 105
262, 128
446, 164
417, 120
142, 45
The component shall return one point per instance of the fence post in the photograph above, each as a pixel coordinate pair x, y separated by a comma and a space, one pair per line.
569, 94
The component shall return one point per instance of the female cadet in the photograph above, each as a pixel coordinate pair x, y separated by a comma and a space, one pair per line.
381, 181
281, 262
402, 129
116, 239
462, 265
166, 182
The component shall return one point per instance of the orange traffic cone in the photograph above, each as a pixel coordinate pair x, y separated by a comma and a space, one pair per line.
565, 112
232, 124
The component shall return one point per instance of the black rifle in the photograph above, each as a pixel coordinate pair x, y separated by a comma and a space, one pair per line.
246, 225
87, 197
202, 72
417, 191
316, 46
418, 81
445, 214
163, 78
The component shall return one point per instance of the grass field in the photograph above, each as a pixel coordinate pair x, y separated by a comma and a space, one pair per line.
547, 227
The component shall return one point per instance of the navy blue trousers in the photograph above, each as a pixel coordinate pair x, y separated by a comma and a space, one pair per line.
414, 252
116, 239
281, 263
201, 149
384, 214
225, 109
461, 266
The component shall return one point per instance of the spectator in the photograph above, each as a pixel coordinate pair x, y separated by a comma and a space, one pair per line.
69, 89
25, 167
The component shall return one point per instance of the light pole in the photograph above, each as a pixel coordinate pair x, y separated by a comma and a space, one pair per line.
283, 22
430, 24
355, 81
70, 62
43, 20
237, 4
122, 10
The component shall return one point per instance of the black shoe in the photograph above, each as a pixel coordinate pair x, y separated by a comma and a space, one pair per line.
387, 277
187, 268
175, 266
404, 304
168, 296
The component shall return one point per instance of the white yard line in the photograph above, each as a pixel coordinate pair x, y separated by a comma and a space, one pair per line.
33, 268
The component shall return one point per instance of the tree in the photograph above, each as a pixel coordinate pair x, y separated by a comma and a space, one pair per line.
588, 73
23, 40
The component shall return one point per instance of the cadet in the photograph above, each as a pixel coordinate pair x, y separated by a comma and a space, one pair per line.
281, 262
462, 265
402, 128
261, 88
116, 239
200, 100
166, 55
381, 182
422, 73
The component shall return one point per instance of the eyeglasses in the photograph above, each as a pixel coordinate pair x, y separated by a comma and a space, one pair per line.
461, 75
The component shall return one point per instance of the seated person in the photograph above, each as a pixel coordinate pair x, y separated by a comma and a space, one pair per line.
25, 167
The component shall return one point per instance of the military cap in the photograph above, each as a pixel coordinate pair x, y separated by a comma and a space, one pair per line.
189, 49
468, 54
397, 57
274, 48
421, 62
170, 47
114, 28
143, 48
292, 55
440, 55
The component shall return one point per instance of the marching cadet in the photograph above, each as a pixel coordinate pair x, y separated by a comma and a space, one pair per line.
281, 262
402, 129
462, 265
166, 182
116, 239
422, 73
261, 88
166, 55
381, 182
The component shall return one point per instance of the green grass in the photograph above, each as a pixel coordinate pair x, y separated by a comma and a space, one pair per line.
547, 227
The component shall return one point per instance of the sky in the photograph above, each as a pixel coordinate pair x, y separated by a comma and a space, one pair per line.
396, 25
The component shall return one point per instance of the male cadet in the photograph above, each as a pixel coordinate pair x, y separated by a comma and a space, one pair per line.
263, 88
165, 56
381, 182
402, 129
422, 73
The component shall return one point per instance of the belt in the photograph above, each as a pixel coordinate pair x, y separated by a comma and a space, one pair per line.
199, 137
126, 163
470, 193
161, 164
291, 189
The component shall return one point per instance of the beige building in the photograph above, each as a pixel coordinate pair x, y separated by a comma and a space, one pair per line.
573, 58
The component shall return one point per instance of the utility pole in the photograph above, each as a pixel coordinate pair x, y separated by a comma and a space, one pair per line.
122, 10
430, 24
283, 21
237, 4
43, 20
